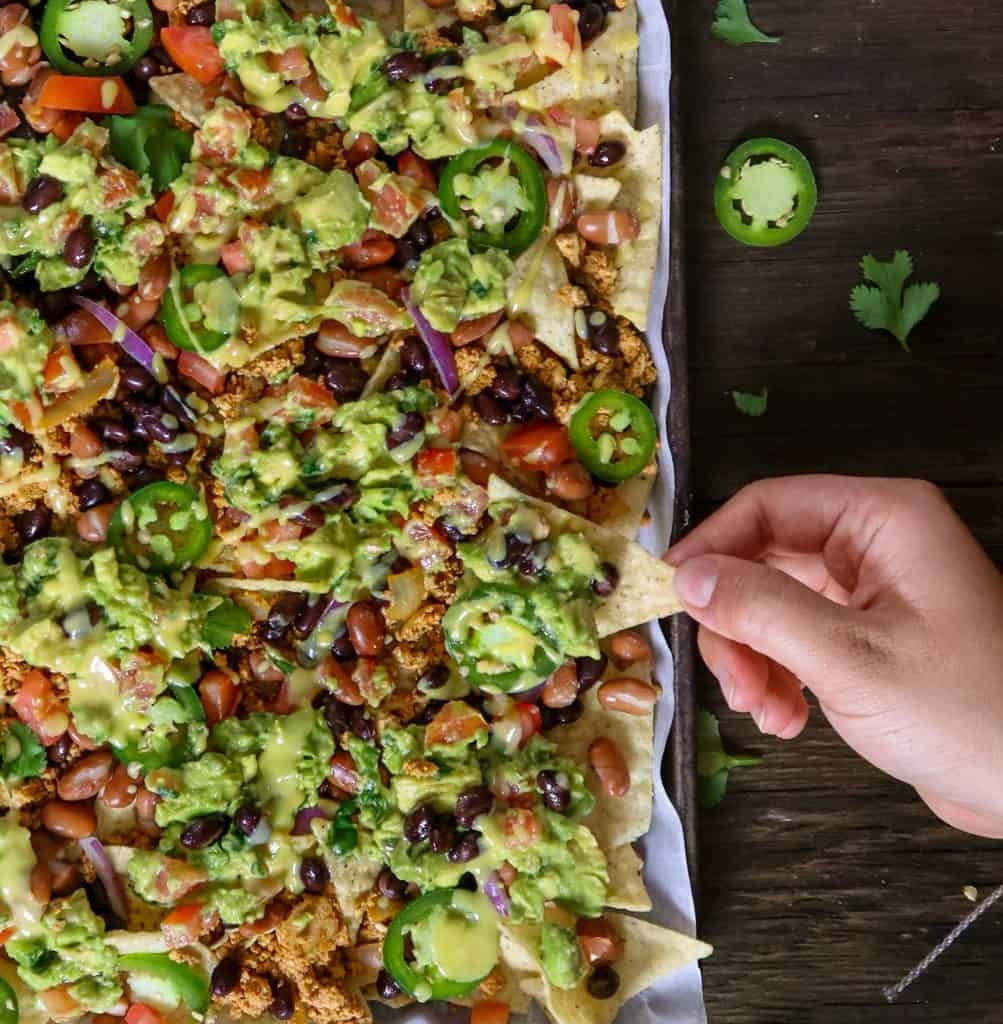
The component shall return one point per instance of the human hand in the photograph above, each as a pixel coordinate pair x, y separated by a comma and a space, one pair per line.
872, 594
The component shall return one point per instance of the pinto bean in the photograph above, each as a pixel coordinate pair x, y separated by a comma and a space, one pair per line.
87, 777
69, 820
627, 695
120, 790
343, 772
609, 765
40, 882
146, 806
374, 249
570, 482
65, 877
599, 940
561, 689
629, 646
366, 628
473, 330
608, 227
154, 278
92, 526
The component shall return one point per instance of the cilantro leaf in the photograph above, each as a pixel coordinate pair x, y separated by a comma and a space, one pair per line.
887, 307
223, 623
733, 25
750, 403
21, 754
148, 143
713, 761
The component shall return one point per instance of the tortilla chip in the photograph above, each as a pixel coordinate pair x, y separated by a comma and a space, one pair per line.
183, 95
389, 363
626, 884
351, 878
388, 14
623, 507
531, 293
606, 79
615, 820
651, 953
645, 590
595, 193
640, 175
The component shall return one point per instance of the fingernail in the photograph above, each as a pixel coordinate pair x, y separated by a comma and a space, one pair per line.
759, 717
695, 581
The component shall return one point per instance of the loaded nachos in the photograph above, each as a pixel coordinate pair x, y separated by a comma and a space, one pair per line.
323, 439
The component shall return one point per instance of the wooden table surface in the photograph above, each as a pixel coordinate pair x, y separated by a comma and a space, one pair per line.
822, 880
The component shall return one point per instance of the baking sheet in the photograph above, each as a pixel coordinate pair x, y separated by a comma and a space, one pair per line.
678, 998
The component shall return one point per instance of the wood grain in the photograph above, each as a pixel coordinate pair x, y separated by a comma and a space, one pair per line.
821, 879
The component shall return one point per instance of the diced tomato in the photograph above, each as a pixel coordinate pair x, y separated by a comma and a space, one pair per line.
235, 258
66, 125
191, 47
220, 696
522, 829
489, 1013
88, 95
478, 467
184, 924
140, 1013
386, 279
194, 367
455, 722
564, 23
252, 185
275, 913
61, 371
417, 169
7, 933
586, 134
119, 186
156, 337
436, 462
59, 1004
273, 569
140, 676
278, 530
175, 879
310, 393
8, 120
343, 14
291, 64
312, 89
530, 722
363, 148
541, 446
163, 206
27, 413
448, 424
40, 709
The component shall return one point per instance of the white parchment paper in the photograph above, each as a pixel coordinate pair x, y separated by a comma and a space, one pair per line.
678, 998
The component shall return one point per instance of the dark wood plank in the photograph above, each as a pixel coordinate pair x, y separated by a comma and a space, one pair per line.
822, 880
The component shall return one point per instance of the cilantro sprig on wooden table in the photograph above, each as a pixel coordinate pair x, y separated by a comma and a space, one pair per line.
732, 24
886, 304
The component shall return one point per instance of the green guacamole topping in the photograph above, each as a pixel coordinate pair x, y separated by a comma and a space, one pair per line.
453, 284
25, 343
93, 186
493, 194
561, 956
69, 948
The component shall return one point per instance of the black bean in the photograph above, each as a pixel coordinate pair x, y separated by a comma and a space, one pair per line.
114, 431
603, 982
89, 284
403, 66
281, 616
602, 332
338, 716
410, 426
607, 153
490, 410
345, 379
78, 249
53, 305
399, 380
437, 675
226, 976
405, 252
283, 1001
126, 460
535, 401
419, 823
561, 716
529, 564
414, 356
362, 725
341, 647
306, 621
146, 68
554, 791
386, 987
314, 874
507, 385
148, 421
141, 476
465, 849
33, 523
606, 584
41, 192
591, 21
134, 377
59, 752
91, 493
440, 86
345, 498
174, 403
201, 14
516, 547
389, 885
448, 58
421, 234
294, 142
311, 519
472, 803
15, 440
590, 671
247, 819
443, 836
467, 882
204, 831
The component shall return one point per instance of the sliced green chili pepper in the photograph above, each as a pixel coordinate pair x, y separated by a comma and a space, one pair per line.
186, 319
429, 982
92, 30
162, 527
493, 617
530, 222
765, 193
614, 434
10, 1010
186, 984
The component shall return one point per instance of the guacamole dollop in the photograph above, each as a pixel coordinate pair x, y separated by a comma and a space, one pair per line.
561, 956
25, 343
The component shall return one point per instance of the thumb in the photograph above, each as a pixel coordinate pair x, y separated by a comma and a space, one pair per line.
753, 604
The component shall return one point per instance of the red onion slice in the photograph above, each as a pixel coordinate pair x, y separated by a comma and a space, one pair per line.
132, 344
107, 875
440, 348
301, 826
496, 892
546, 148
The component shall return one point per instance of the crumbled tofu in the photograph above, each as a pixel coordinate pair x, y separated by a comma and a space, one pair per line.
572, 295
475, 369
600, 272
571, 246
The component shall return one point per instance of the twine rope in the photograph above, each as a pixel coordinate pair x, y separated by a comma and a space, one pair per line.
892, 992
